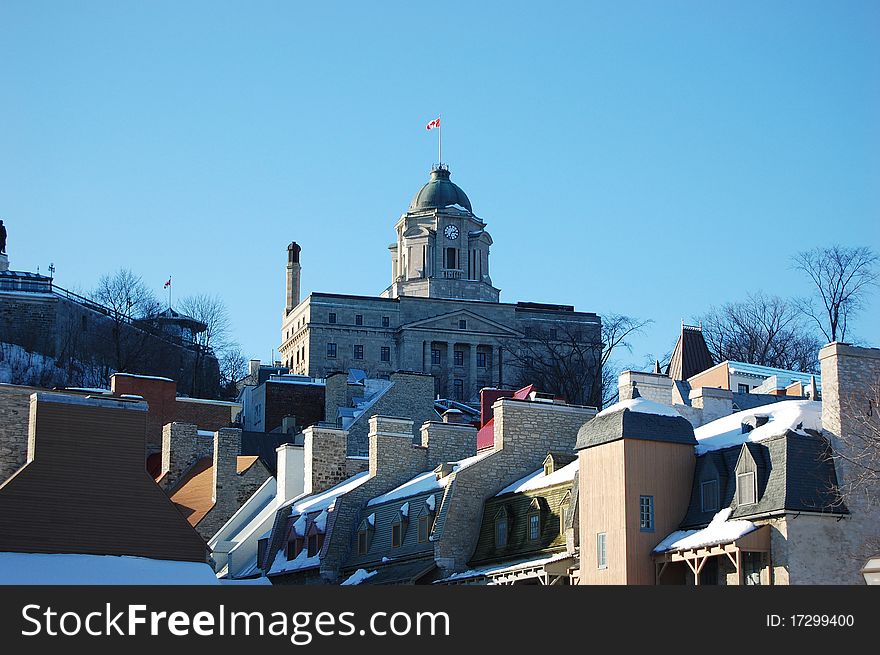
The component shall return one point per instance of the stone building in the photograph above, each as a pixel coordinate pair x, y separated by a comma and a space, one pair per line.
441, 314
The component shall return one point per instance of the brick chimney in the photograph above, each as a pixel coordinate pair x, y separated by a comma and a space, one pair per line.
293, 275
227, 448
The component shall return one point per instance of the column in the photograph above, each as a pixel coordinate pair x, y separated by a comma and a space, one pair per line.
450, 369
472, 374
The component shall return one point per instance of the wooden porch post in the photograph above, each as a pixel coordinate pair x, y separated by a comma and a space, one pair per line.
738, 564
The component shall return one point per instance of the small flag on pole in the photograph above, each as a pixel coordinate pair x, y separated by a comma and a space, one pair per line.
434, 123
167, 284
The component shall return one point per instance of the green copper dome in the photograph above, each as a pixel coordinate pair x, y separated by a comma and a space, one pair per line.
439, 192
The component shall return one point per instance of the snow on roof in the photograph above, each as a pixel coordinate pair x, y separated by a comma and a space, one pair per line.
326, 498
641, 406
75, 569
794, 415
205, 433
506, 567
359, 576
206, 401
537, 480
298, 563
426, 482
143, 377
766, 371
719, 531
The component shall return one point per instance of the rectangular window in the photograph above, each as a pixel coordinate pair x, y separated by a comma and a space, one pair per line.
332, 317
313, 545
601, 554
563, 517
386, 321
358, 352
534, 527
458, 358
423, 529
462, 324
709, 496
500, 532
745, 489
262, 545
451, 259
458, 386
481, 360
396, 534
362, 542
646, 513
331, 351
435, 357
386, 354
743, 388
358, 319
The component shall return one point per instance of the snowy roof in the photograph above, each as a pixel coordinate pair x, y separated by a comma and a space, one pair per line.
794, 415
298, 563
74, 569
719, 531
641, 406
325, 499
538, 480
426, 482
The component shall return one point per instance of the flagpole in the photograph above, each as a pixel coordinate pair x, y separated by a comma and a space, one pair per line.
439, 142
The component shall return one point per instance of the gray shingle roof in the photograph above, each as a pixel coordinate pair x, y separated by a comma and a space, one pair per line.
626, 424
794, 474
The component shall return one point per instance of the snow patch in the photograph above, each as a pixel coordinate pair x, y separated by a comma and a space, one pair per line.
719, 531
794, 415
640, 406
358, 576
298, 563
431, 502
321, 521
537, 480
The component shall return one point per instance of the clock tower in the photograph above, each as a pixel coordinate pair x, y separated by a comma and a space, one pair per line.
442, 247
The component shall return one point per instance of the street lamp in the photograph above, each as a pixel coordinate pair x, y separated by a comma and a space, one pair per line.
871, 570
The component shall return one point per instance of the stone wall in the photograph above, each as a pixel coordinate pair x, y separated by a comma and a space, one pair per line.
14, 411
524, 433
325, 460
653, 386
851, 421
182, 447
448, 442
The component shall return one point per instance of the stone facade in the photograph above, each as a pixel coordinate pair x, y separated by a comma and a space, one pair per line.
524, 433
325, 457
850, 397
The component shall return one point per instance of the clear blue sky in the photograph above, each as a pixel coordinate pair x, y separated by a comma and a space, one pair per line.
643, 158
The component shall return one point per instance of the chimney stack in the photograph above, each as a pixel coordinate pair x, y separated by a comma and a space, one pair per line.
293, 271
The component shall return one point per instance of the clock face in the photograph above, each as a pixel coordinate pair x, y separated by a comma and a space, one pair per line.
451, 232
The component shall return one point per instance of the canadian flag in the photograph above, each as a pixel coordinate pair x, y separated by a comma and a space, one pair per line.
434, 123
167, 284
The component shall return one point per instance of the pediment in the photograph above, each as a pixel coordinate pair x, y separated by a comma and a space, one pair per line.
475, 324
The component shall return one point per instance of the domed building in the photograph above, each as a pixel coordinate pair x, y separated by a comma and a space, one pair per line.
441, 315
442, 247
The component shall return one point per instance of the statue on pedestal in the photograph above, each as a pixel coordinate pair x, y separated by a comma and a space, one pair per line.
2, 238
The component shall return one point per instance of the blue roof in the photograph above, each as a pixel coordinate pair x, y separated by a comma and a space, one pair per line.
784, 376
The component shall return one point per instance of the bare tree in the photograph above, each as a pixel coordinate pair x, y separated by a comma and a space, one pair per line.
215, 340
764, 330
233, 367
843, 277
127, 298
559, 360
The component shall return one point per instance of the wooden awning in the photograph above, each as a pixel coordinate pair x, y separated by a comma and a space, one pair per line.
757, 541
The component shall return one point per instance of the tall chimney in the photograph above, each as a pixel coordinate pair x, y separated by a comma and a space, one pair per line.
293, 269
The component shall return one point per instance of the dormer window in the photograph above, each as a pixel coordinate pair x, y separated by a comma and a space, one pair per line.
709, 496
534, 518
564, 508
746, 490
502, 528
426, 519
396, 535
548, 466
365, 534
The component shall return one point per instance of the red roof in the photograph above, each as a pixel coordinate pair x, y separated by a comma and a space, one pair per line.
486, 434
